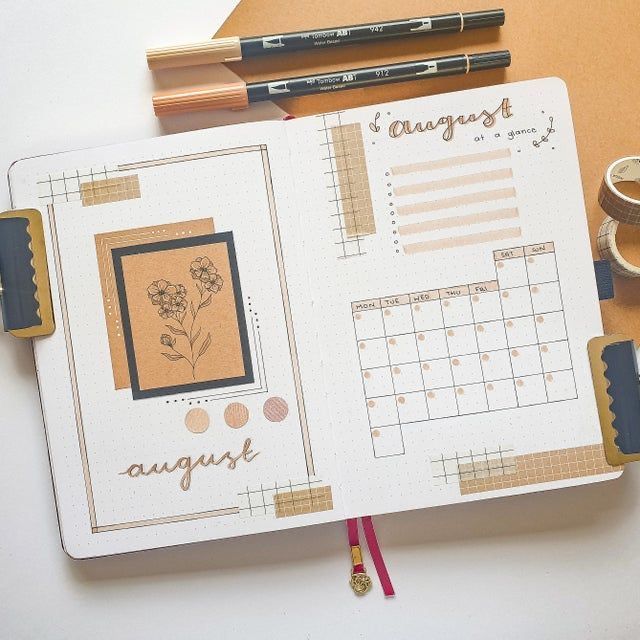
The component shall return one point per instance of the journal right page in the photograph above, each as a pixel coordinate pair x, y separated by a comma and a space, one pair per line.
453, 286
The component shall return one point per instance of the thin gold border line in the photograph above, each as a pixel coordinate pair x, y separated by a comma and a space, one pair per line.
186, 158
306, 441
72, 368
228, 511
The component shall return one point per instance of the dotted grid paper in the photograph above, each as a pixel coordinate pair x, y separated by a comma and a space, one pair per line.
467, 349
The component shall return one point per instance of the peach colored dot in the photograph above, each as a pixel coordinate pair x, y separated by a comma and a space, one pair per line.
392, 341
530, 260
505, 294
451, 332
421, 336
367, 375
387, 312
460, 391
520, 383
534, 289
371, 403
549, 377
540, 319
401, 400
455, 362
500, 265
509, 324
416, 307
489, 387
431, 395
544, 348
362, 345
479, 328
197, 420
485, 356
275, 409
475, 299
396, 370
375, 433
515, 353
236, 415
446, 303
426, 367
358, 316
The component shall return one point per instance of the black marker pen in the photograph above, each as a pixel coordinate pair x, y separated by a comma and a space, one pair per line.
235, 48
238, 95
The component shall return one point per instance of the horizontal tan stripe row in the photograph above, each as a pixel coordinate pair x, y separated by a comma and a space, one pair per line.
463, 241
455, 181
444, 163
457, 201
458, 221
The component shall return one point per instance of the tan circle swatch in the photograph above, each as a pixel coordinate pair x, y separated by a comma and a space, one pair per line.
197, 420
375, 433
275, 409
236, 415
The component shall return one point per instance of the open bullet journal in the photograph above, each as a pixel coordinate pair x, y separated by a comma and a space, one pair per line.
278, 324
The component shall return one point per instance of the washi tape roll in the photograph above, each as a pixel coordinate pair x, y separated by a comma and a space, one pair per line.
619, 208
608, 249
617, 205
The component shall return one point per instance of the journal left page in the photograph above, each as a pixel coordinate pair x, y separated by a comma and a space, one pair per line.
176, 403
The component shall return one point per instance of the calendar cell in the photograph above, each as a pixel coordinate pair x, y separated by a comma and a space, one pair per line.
437, 373
373, 353
368, 324
412, 407
382, 411
402, 348
387, 441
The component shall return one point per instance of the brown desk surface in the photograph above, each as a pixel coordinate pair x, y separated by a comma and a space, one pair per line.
593, 46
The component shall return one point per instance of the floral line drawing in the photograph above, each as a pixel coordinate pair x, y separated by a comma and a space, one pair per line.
545, 137
172, 303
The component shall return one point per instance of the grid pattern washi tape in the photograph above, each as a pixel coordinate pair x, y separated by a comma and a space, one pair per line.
548, 466
459, 466
109, 190
353, 180
466, 349
302, 501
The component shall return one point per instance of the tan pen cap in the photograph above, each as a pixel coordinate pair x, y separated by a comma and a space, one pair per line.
229, 95
207, 52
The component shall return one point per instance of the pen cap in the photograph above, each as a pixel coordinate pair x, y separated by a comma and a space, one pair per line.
231, 95
489, 60
208, 52
482, 19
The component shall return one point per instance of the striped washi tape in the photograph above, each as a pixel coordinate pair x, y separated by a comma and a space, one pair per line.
619, 208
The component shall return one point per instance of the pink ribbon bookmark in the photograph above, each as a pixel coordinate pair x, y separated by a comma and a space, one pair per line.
360, 582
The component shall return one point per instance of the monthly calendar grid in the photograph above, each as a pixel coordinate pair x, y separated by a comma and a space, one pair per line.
465, 350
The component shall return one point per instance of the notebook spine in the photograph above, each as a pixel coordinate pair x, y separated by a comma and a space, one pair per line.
25, 292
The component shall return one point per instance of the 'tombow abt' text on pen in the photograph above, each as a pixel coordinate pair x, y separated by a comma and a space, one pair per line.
238, 95
235, 48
